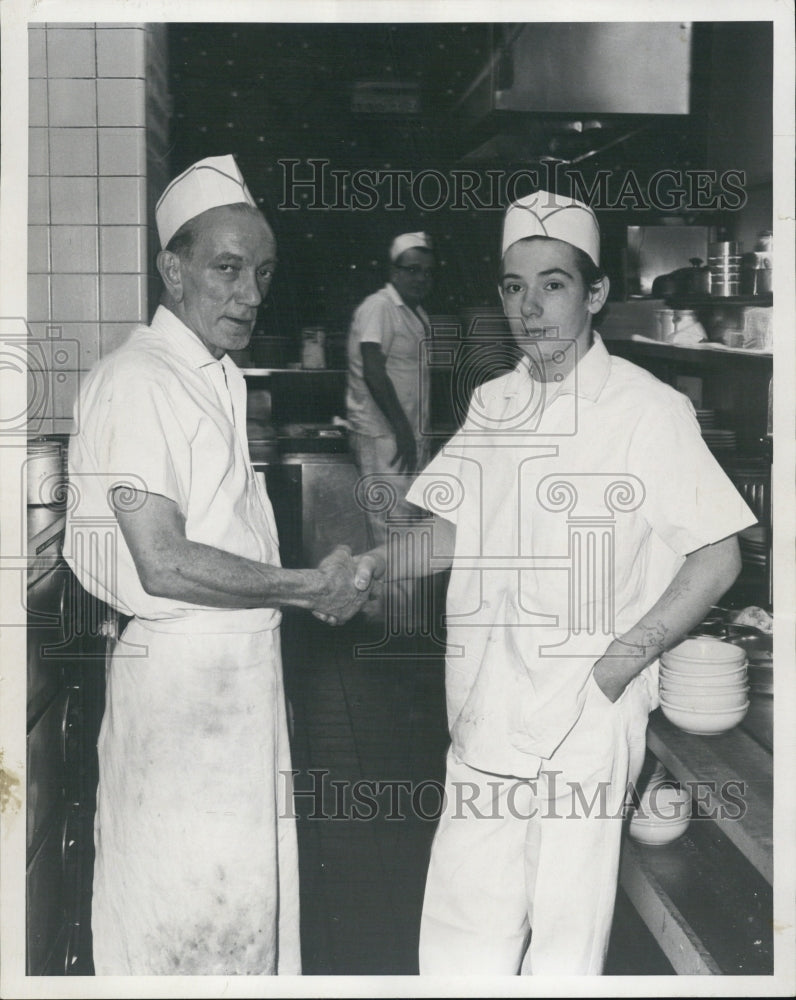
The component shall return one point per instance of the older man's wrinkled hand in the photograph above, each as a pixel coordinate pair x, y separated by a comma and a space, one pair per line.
344, 587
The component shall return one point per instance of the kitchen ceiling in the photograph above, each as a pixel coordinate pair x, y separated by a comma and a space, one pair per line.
277, 92
288, 87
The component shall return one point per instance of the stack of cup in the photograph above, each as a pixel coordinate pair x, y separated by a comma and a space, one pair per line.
724, 261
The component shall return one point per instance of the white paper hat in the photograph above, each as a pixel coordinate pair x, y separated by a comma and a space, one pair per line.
556, 216
409, 241
207, 184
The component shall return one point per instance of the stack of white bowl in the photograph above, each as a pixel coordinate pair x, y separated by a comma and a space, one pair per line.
704, 687
663, 812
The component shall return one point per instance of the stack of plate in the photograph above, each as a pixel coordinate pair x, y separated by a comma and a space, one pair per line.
706, 418
704, 686
663, 812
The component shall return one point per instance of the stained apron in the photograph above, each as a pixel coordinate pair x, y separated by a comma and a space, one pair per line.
196, 866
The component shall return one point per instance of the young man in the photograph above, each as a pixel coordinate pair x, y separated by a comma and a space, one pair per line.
196, 869
589, 529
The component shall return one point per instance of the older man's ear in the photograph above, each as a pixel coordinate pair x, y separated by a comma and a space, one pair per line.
169, 266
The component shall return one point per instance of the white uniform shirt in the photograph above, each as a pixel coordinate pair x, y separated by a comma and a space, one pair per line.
575, 504
384, 318
163, 415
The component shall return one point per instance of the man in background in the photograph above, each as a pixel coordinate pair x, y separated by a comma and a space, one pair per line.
388, 384
196, 867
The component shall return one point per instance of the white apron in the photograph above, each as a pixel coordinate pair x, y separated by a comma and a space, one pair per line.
196, 868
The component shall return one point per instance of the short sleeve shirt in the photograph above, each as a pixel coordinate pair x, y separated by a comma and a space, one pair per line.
385, 319
575, 505
162, 415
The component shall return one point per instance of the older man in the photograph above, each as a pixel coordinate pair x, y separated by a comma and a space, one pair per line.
196, 868
589, 529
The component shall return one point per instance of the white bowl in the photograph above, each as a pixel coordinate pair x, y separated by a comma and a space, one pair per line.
705, 649
655, 835
701, 669
702, 722
701, 702
719, 687
664, 802
704, 676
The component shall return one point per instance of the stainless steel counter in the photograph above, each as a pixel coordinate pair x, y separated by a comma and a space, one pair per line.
315, 505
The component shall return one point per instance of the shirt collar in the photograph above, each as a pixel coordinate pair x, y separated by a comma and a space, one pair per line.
392, 292
182, 341
586, 379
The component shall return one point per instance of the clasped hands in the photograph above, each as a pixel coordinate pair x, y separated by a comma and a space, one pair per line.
346, 583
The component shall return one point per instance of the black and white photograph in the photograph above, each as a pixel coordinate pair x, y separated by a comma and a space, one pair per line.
397, 492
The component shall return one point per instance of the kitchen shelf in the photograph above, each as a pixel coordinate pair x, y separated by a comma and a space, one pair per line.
714, 760
708, 909
707, 897
709, 356
708, 301
258, 372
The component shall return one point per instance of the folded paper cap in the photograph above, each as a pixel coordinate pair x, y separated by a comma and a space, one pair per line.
556, 216
207, 184
409, 241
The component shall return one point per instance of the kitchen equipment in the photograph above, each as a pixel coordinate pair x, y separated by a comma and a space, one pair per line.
45, 473
706, 418
657, 252
685, 281
313, 347
725, 262
688, 330
704, 722
313, 437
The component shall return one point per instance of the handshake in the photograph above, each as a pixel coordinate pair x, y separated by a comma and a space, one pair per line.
346, 583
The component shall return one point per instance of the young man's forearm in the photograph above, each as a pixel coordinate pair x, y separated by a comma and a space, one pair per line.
702, 579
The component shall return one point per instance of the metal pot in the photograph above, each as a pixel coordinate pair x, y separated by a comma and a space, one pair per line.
685, 281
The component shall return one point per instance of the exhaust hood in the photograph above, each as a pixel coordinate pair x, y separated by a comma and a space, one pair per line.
576, 85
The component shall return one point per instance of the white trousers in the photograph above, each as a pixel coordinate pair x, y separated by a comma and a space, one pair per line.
517, 858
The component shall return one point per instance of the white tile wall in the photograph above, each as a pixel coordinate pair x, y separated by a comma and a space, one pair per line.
38, 297
122, 200
98, 102
74, 249
37, 52
87, 336
121, 52
122, 151
71, 53
38, 152
38, 201
122, 297
37, 102
72, 102
73, 200
75, 297
113, 335
73, 151
121, 102
123, 249
38, 249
